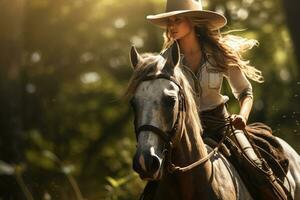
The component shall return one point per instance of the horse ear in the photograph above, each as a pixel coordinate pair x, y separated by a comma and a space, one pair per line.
135, 58
175, 54
173, 57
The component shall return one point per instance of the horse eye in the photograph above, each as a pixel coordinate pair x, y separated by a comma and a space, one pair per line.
132, 102
169, 101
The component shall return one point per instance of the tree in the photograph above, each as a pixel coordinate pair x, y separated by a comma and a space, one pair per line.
291, 8
11, 40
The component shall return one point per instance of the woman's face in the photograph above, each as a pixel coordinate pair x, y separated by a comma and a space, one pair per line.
179, 27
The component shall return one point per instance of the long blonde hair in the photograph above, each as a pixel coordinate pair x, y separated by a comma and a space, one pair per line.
225, 49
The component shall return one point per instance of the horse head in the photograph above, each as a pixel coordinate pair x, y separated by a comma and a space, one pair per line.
158, 104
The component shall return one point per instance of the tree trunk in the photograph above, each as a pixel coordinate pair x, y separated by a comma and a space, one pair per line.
292, 8
11, 45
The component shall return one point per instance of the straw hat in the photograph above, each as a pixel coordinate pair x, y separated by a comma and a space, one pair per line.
191, 9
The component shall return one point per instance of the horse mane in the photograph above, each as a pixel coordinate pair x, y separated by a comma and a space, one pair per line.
151, 65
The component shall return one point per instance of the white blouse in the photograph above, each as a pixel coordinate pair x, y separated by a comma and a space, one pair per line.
207, 84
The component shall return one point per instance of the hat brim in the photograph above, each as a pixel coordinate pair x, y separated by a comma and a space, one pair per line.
212, 19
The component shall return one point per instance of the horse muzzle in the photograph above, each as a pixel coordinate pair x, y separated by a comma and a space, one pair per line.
148, 165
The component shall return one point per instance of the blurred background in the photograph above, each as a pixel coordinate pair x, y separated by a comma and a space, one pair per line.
65, 130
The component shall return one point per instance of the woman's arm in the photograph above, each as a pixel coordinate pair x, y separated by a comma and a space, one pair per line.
242, 91
240, 121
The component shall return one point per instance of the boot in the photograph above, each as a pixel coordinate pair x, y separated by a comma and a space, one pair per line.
246, 147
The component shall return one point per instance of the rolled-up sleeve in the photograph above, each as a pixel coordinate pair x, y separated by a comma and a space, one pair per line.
238, 82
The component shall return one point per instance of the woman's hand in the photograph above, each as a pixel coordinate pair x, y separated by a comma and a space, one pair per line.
238, 121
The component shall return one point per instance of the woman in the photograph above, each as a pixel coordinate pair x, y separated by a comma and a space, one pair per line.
207, 57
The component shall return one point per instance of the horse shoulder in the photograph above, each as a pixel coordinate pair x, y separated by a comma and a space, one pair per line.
226, 181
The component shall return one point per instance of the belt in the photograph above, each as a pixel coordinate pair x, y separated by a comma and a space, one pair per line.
220, 112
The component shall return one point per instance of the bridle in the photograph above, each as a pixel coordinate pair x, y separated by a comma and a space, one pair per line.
169, 136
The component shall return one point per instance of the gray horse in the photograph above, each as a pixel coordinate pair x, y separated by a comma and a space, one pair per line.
168, 134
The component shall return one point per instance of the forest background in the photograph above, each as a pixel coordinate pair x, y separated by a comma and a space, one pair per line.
65, 130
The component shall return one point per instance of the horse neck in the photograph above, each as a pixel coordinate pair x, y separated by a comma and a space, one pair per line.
193, 142
197, 181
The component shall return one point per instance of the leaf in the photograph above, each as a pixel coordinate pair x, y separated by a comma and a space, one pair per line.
121, 181
68, 169
112, 181
6, 169
50, 155
20, 168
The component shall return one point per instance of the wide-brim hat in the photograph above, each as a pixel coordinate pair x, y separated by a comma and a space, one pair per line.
191, 9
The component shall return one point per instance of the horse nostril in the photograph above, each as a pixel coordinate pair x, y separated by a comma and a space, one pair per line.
146, 164
152, 163
155, 163
135, 164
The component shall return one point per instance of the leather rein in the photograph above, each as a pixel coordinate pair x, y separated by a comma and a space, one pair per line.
169, 136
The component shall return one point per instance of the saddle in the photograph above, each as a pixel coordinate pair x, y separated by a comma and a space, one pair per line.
266, 181
261, 137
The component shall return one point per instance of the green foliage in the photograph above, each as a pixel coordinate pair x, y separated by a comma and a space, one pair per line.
74, 71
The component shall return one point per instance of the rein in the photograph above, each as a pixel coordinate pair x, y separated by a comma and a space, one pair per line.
173, 168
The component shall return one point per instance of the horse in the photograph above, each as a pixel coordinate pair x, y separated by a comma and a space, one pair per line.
170, 150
